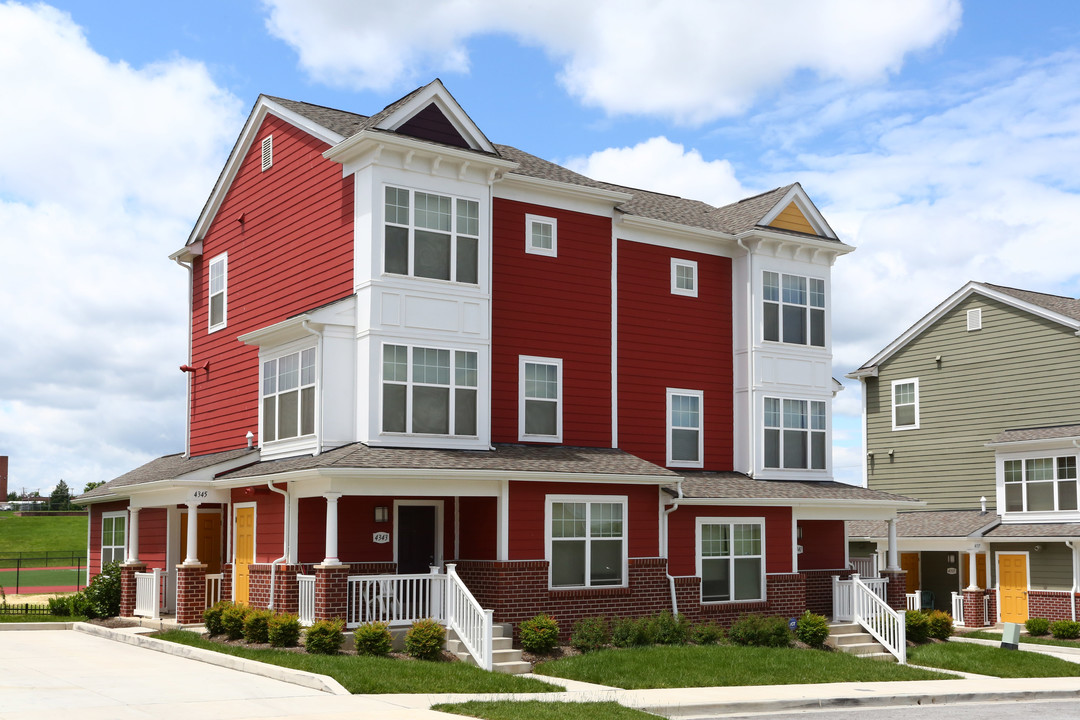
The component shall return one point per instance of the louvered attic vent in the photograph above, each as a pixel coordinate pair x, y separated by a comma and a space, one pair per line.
974, 319
267, 152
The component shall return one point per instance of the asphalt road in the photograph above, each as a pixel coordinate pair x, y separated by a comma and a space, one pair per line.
1044, 710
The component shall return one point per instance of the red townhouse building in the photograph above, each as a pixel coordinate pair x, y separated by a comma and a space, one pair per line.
415, 352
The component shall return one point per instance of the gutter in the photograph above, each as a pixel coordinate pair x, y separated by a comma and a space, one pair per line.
670, 578
189, 376
1072, 594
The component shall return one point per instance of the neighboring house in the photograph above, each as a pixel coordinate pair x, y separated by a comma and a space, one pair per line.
976, 410
412, 348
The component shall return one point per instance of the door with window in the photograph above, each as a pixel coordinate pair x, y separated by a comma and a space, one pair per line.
244, 542
1013, 587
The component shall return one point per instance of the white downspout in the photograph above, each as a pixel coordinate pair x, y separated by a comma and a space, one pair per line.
750, 329
285, 548
671, 579
190, 376
1075, 568
320, 384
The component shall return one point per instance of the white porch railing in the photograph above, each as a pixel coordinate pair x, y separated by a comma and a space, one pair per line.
914, 601
306, 596
213, 589
958, 608
150, 593
465, 616
866, 567
394, 599
843, 595
886, 625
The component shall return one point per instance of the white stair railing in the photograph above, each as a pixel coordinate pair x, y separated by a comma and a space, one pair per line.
886, 625
843, 595
148, 594
958, 608
305, 585
465, 616
914, 601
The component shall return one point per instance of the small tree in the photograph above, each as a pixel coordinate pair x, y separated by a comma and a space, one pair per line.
60, 499
92, 485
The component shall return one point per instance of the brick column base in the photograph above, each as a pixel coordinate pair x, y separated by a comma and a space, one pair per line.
190, 594
127, 587
896, 590
973, 608
331, 590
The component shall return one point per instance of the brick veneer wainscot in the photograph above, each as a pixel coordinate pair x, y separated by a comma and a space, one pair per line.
1052, 605
127, 587
896, 590
286, 589
331, 591
190, 593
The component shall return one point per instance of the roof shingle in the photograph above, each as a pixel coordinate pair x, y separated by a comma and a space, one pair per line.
721, 485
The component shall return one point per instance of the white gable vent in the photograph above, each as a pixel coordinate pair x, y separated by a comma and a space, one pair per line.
974, 319
267, 152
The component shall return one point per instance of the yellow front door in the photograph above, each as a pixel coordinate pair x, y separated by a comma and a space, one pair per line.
1012, 587
209, 540
245, 551
910, 563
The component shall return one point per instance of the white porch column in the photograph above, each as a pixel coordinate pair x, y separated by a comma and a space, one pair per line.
973, 570
133, 535
894, 555
331, 529
192, 534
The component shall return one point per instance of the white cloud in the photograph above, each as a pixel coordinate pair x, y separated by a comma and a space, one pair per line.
691, 61
110, 164
663, 166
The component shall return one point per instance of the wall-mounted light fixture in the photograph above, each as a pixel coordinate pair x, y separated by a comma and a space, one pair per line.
891, 453
382, 514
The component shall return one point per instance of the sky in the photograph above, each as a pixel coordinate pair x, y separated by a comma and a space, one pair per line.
940, 138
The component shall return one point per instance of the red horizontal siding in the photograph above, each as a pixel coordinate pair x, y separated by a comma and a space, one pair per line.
479, 528
554, 307
292, 252
823, 543
682, 536
528, 504
154, 537
93, 560
673, 341
269, 521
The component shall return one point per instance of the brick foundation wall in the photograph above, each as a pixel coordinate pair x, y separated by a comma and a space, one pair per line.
190, 593
226, 581
127, 587
286, 598
973, 608
991, 606
819, 597
896, 590
1050, 605
372, 568
331, 591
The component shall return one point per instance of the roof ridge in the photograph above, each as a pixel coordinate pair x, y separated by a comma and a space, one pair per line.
1025, 290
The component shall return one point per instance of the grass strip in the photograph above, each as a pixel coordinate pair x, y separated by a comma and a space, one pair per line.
541, 710
725, 665
997, 662
42, 578
361, 674
996, 637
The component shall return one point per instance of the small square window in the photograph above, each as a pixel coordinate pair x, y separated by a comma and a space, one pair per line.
541, 235
684, 277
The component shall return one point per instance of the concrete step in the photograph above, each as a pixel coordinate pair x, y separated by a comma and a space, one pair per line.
454, 644
866, 648
849, 639
840, 628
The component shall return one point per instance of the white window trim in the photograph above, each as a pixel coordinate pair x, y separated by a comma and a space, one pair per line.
974, 319
809, 437
826, 329
223, 258
101, 540
553, 251
267, 149
411, 383
522, 435
892, 403
454, 234
296, 348
700, 395
588, 499
760, 521
1055, 515
677, 263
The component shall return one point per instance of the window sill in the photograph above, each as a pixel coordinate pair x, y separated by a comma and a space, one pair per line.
563, 593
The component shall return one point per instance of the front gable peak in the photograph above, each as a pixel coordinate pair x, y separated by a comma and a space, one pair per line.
797, 213
432, 113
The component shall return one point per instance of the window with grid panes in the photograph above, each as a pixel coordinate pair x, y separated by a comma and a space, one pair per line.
218, 287
795, 434
685, 438
113, 536
429, 391
794, 309
431, 236
288, 396
732, 560
905, 404
1040, 484
588, 543
541, 416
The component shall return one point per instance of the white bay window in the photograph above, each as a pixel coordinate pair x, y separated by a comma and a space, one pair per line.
431, 236
794, 309
288, 396
795, 434
429, 391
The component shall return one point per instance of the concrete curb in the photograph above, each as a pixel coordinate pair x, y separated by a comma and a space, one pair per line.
314, 681
35, 626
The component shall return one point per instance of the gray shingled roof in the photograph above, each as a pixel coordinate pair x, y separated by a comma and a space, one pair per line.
929, 523
721, 485
1037, 530
514, 458
1042, 433
164, 468
1066, 306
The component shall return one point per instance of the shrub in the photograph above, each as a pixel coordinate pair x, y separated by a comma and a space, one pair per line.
918, 626
590, 634
1037, 626
1065, 629
257, 626
425, 638
667, 629
940, 624
232, 621
631, 632
325, 637
707, 633
283, 630
812, 629
539, 635
212, 617
373, 638
67, 606
103, 593
760, 631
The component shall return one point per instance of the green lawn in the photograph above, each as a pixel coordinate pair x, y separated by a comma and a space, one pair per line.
39, 618
725, 665
1047, 640
540, 710
33, 535
984, 660
41, 578
378, 675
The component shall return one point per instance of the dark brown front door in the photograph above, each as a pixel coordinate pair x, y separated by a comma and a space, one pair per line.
415, 539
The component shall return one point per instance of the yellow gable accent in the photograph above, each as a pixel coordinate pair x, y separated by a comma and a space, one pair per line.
791, 218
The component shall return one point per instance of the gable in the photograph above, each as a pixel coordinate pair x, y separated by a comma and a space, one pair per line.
432, 113
795, 212
431, 124
790, 218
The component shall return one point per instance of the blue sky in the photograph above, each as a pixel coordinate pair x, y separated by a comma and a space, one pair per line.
940, 138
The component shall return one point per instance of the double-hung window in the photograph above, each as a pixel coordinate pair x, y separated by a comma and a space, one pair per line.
431, 236
794, 309
541, 235
540, 399
429, 391
288, 396
218, 291
731, 559
685, 437
795, 433
586, 541
684, 277
905, 404
1040, 484
113, 535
